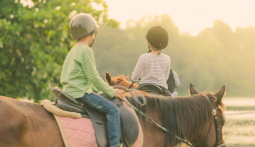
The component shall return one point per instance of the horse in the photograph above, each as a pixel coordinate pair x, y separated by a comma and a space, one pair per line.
25, 124
190, 117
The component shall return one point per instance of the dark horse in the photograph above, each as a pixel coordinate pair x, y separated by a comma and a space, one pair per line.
189, 117
24, 124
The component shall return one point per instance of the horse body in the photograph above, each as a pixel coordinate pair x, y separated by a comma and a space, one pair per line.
26, 124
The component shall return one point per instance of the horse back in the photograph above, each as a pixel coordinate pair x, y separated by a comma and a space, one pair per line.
25, 124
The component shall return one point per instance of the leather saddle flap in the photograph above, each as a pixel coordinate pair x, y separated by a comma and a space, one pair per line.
129, 123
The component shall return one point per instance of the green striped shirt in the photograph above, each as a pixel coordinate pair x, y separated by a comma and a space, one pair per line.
79, 74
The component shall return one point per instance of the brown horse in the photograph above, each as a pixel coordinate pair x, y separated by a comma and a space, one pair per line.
24, 124
189, 117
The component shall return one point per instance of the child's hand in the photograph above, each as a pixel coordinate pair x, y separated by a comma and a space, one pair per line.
119, 94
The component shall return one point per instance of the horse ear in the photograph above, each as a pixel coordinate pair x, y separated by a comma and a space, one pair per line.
127, 77
108, 78
192, 89
220, 93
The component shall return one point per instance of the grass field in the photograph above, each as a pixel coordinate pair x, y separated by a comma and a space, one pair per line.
239, 130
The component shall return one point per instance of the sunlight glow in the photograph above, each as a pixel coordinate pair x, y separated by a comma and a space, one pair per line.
189, 15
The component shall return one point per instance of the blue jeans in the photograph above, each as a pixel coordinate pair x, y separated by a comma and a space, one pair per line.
112, 114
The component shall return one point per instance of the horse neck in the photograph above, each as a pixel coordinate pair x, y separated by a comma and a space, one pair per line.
195, 117
185, 116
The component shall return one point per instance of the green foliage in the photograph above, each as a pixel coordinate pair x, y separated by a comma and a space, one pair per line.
34, 42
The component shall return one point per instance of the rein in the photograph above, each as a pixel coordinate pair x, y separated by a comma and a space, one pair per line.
136, 99
133, 83
214, 112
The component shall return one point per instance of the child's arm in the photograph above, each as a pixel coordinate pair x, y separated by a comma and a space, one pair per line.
94, 89
89, 68
139, 68
167, 72
176, 79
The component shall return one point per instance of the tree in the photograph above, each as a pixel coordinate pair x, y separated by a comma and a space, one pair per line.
34, 42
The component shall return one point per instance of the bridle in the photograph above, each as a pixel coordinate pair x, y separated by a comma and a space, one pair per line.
216, 120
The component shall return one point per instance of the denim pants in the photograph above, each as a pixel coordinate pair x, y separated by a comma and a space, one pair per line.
112, 114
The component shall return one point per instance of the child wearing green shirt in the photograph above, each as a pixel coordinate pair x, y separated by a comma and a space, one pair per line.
80, 78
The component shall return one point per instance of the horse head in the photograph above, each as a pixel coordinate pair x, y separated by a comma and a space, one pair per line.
120, 80
212, 134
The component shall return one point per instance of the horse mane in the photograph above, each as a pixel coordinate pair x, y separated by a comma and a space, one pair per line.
182, 116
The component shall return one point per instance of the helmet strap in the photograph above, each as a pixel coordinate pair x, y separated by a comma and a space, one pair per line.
93, 40
92, 43
149, 48
159, 52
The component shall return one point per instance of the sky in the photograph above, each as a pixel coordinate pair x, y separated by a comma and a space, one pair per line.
190, 16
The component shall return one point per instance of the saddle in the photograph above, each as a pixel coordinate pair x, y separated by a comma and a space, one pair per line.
129, 124
150, 88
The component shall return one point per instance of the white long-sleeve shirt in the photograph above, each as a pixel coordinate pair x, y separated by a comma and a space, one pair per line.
153, 68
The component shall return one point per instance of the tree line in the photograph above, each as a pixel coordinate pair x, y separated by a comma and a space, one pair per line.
34, 42
216, 56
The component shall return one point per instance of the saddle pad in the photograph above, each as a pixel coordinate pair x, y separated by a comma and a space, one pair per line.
77, 132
